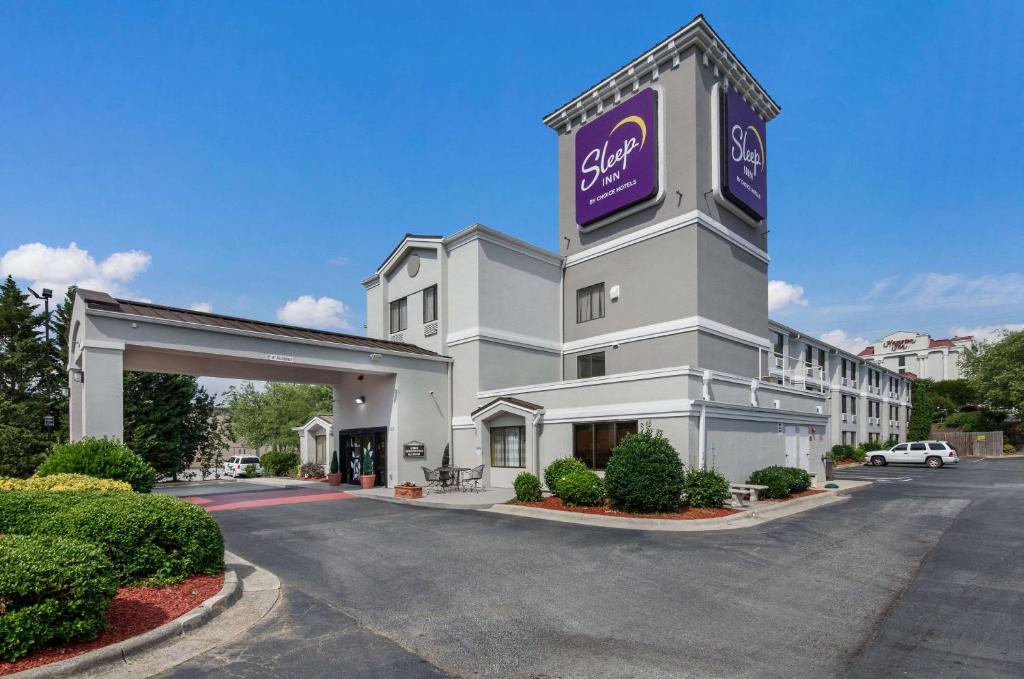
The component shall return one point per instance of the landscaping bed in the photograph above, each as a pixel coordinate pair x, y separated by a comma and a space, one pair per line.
794, 496
684, 513
134, 610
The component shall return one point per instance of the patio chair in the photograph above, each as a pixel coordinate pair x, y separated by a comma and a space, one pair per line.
446, 478
432, 478
471, 479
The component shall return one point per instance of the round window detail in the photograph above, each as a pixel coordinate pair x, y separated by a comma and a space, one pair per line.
412, 265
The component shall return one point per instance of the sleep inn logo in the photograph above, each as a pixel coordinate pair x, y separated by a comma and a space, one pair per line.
617, 159
743, 156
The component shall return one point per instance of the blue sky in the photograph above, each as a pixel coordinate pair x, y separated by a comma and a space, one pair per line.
247, 155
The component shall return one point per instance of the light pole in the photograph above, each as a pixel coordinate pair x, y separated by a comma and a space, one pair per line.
47, 294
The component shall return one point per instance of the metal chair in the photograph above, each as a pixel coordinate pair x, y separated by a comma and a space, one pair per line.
433, 478
447, 477
471, 479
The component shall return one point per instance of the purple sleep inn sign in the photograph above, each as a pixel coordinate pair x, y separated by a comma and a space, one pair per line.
743, 155
617, 159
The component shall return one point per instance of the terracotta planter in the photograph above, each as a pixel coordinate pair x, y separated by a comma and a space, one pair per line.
367, 480
334, 479
409, 492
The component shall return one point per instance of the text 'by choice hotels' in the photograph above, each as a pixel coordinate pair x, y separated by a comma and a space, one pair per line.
617, 158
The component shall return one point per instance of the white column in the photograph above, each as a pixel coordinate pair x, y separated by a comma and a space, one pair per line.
945, 363
102, 392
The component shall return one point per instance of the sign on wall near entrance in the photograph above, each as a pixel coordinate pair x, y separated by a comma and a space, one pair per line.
742, 155
617, 159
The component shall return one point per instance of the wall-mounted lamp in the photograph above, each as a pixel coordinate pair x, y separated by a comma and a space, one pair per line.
78, 375
360, 400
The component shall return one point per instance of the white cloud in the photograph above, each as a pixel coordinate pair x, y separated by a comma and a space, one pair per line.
839, 338
879, 287
940, 290
782, 294
201, 306
309, 311
58, 268
987, 333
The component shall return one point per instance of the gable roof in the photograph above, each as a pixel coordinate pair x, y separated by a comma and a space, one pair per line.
517, 402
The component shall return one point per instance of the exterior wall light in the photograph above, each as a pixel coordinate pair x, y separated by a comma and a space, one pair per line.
360, 400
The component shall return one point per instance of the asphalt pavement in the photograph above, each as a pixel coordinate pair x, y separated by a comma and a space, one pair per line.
917, 575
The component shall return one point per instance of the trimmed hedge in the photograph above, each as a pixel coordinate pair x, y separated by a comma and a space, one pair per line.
52, 589
527, 488
645, 474
781, 481
581, 487
554, 472
144, 536
59, 482
706, 488
279, 464
102, 458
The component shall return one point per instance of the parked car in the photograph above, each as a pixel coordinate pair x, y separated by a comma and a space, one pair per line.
932, 453
235, 466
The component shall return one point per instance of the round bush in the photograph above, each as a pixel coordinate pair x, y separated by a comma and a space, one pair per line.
279, 463
554, 472
706, 488
799, 480
527, 488
52, 590
144, 536
776, 478
102, 458
59, 482
645, 474
581, 487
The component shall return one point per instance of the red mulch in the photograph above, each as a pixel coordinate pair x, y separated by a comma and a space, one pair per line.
134, 610
684, 513
793, 496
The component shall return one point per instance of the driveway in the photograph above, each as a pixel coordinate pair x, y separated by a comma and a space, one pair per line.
915, 577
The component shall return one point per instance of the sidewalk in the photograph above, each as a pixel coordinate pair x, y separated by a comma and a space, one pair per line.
451, 500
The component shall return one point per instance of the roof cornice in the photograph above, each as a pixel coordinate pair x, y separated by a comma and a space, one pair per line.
697, 33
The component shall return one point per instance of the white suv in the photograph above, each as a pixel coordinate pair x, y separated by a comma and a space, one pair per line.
932, 453
235, 466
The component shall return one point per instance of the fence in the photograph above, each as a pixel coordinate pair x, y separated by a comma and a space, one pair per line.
971, 443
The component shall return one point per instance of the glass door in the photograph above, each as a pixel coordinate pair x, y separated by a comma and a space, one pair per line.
359, 442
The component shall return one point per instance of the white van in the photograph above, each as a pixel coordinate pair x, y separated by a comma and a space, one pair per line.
236, 465
932, 453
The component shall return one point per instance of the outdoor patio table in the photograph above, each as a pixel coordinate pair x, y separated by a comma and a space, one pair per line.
453, 475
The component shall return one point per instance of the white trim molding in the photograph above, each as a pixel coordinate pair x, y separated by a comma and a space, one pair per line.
678, 326
501, 337
587, 382
463, 422
489, 235
682, 407
694, 217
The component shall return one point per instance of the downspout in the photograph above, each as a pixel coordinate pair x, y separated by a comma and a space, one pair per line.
702, 438
561, 320
451, 430
536, 439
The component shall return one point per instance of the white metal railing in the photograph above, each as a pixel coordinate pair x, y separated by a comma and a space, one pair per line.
776, 365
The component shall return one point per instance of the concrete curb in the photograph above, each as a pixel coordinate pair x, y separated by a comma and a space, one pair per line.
752, 516
422, 502
119, 652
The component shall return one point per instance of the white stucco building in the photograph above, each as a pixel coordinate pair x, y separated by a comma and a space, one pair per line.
918, 355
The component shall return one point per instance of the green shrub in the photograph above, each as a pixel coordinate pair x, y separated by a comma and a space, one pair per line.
1008, 449
144, 536
800, 480
776, 478
64, 482
871, 446
527, 487
559, 468
841, 452
645, 474
706, 488
102, 458
858, 454
279, 463
581, 487
52, 590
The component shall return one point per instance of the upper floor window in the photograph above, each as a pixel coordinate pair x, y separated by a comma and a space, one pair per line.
779, 343
902, 361
843, 368
399, 315
430, 304
590, 303
590, 365
853, 370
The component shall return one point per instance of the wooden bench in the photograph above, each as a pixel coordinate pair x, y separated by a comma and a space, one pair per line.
744, 490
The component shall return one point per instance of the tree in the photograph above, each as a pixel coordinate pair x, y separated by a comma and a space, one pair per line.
24, 370
996, 371
267, 418
919, 428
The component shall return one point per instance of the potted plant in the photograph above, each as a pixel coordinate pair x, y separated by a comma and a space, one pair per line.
409, 490
367, 479
334, 477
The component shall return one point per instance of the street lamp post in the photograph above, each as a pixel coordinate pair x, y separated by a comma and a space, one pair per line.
47, 294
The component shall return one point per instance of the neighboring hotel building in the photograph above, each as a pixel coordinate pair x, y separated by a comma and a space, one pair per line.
918, 355
653, 311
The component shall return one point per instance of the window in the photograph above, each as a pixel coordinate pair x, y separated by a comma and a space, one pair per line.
399, 315
809, 355
853, 405
590, 365
821, 358
779, 343
900, 448
917, 446
320, 456
874, 437
853, 370
937, 446
843, 369
590, 303
593, 442
507, 446
430, 304
902, 362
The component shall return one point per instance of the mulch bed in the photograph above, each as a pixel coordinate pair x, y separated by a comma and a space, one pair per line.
134, 610
684, 513
793, 496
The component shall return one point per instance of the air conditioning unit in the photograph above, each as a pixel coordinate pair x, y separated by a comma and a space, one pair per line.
843, 417
892, 423
853, 419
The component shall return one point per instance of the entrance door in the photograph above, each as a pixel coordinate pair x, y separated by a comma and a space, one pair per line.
804, 447
791, 445
355, 443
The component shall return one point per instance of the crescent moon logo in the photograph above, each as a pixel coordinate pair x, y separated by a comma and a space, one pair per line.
764, 156
639, 122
